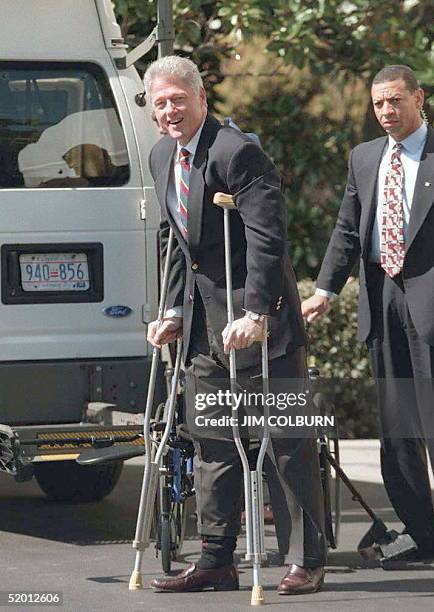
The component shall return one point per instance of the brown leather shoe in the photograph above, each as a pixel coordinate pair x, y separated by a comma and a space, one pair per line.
300, 580
195, 579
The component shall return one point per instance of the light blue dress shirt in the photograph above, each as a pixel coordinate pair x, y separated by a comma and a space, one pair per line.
411, 152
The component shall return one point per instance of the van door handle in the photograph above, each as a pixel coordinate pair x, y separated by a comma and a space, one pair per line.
142, 209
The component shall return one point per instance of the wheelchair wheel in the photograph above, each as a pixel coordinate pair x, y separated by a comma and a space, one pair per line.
166, 543
175, 487
337, 493
328, 442
171, 535
331, 491
180, 519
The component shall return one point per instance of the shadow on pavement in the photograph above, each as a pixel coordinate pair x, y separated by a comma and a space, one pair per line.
25, 510
413, 585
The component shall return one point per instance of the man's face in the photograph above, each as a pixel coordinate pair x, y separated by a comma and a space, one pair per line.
397, 108
179, 110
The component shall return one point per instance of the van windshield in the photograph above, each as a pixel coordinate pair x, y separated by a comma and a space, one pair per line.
59, 127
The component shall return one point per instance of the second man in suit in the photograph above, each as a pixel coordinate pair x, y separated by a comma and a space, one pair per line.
386, 222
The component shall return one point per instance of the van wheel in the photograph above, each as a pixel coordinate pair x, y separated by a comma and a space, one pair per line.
67, 481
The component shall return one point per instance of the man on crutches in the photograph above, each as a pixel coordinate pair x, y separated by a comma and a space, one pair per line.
196, 159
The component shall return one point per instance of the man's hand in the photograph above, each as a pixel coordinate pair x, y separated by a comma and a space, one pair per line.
242, 333
314, 307
169, 330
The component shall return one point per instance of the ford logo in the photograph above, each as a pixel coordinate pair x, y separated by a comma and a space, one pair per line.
117, 311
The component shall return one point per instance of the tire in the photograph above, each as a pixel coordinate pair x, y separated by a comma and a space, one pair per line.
337, 494
67, 481
329, 443
325, 482
166, 544
180, 517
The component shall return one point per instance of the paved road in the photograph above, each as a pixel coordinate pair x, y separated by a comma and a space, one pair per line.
85, 551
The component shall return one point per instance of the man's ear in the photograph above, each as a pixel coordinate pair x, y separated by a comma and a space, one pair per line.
420, 96
202, 96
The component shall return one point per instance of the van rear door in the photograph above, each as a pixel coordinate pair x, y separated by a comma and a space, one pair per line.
72, 240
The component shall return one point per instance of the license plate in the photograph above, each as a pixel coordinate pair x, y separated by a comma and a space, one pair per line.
54, 272
126, 418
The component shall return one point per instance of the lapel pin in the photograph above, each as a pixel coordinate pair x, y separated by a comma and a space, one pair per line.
427, 184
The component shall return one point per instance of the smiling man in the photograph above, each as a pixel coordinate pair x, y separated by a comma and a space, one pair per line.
386, 221
195, 159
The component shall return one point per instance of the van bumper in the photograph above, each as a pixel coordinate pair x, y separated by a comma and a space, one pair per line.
64, 391
53, 411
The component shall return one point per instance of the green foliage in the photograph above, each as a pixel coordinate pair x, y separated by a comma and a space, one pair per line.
199, 35
309, 103
310, 150
334, 347
343, 362
314, 51
327, 36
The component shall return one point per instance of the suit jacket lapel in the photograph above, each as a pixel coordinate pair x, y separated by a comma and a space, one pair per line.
368, 176
423, 197
197, 183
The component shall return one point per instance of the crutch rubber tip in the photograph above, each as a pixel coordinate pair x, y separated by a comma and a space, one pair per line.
257, 596
136, 581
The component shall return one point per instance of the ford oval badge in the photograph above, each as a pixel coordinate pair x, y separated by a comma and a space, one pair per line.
117, 311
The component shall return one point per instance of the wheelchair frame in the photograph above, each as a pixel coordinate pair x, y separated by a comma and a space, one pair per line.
176, 485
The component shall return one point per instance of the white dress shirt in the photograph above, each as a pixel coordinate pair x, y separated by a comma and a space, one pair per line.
173, 191
411, 152
173, 194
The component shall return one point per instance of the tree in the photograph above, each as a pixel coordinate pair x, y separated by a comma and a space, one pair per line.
330, 37
297, 73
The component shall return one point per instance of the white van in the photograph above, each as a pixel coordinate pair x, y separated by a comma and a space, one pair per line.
78, 222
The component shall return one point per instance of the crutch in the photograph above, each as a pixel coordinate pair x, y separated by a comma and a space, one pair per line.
253, 488
152, 455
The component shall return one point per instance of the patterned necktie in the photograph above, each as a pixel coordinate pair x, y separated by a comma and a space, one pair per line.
392, 231
184, 155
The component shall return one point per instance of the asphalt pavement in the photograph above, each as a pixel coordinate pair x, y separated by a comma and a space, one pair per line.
85, 552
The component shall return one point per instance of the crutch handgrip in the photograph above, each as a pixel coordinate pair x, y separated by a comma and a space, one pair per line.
224, 200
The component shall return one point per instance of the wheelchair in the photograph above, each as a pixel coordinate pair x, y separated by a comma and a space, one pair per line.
328, 452
176, 484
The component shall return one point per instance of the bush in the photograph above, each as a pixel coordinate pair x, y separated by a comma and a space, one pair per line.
343, 362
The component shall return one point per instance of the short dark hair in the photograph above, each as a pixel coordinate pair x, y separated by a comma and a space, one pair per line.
395, 72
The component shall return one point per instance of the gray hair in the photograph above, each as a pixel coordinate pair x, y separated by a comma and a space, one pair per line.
173, 65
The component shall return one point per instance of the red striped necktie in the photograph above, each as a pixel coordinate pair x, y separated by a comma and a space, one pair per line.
184, 155
392, 231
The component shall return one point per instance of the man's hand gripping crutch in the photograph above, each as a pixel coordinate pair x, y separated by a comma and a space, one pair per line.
253, 489
164, 331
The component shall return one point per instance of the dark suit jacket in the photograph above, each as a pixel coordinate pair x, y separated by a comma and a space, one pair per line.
263, 279
351, 238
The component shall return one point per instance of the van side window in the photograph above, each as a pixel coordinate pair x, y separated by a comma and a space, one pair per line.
59, 127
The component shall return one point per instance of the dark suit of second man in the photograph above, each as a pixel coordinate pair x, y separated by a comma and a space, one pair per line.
386, 222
